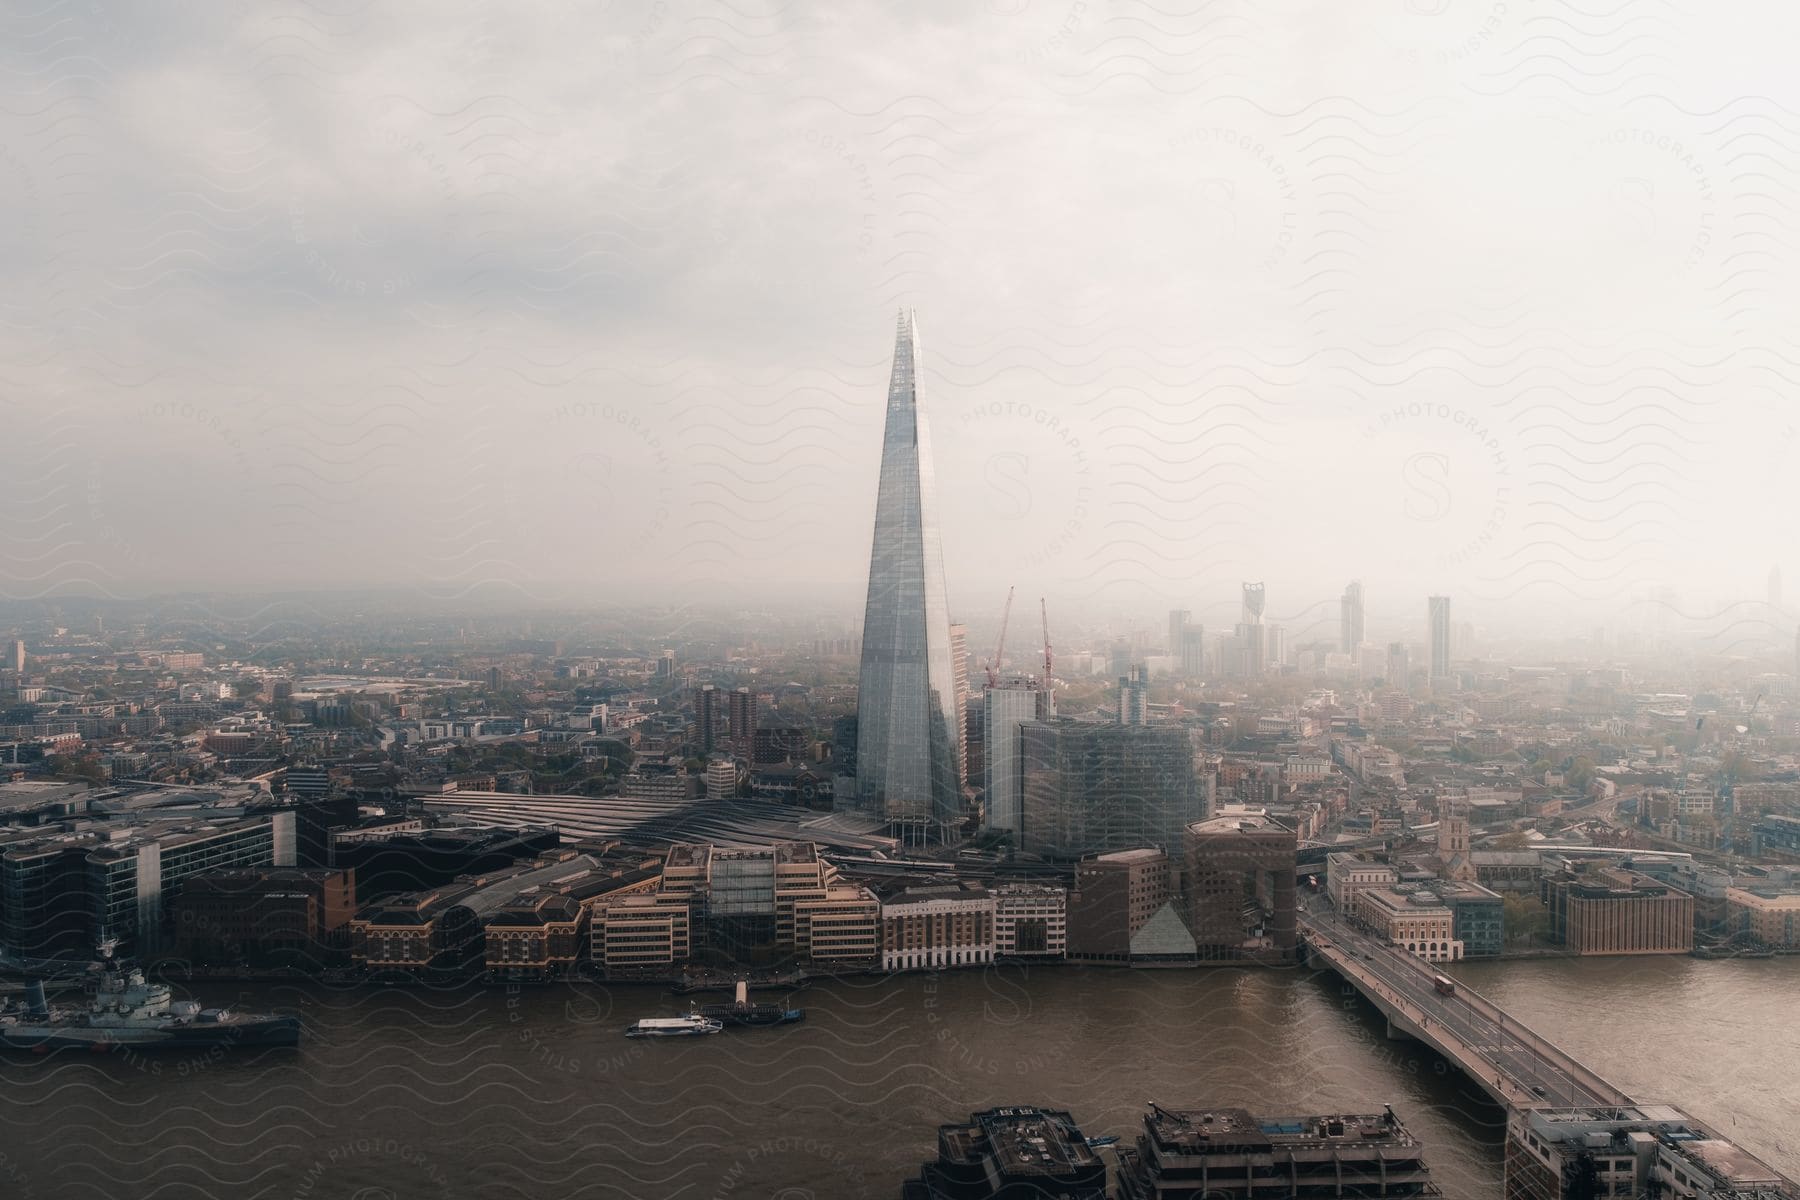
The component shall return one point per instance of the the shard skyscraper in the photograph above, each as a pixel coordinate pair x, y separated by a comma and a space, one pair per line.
907, 733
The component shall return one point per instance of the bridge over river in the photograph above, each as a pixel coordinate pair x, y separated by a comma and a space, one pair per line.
1515, 1066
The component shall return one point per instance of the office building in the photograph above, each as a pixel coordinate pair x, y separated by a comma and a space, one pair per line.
265, 916
1767, 916
1089, 787
741, 906
722, 778
1134, 697
1632, 1150
1348, 874
16, 656
1438, 611
1239, 877
1221, 1153
59, 894
1031, 921
1411, 918
665, 665
908, 723
934, 925
1350, 620
1004, 710
1614, 910
1478, 917
1020, 1153
1123, 911
1275, 648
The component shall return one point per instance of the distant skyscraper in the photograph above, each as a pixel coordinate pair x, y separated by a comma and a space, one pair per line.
18, 656
1193, 651
1439, 609
1134, 697
1399, 670
665, 665
1249, 650
1350, 620
1178, 623
908, 726
1253, 604
1120, 656
1274, 646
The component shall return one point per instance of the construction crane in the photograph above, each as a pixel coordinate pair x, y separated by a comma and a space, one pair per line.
993, 668
1045, 610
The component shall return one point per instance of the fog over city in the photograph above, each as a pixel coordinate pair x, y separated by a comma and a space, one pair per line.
1451, 297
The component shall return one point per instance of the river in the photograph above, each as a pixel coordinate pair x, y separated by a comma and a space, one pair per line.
535, 1092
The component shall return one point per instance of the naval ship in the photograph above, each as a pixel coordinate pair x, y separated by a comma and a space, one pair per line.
127, 1012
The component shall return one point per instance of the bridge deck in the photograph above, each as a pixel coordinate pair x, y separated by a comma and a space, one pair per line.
1510, 1062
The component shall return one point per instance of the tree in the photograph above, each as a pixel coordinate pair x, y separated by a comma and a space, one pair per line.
1526, 917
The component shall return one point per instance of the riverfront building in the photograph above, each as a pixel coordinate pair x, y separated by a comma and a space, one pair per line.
1030, 921
266, 916
1769, 915
1239, 876
1226, 1152
1011, 1154
937, 925
1629, 1151
908, 744
1413, 919
1612, 910
1123, 910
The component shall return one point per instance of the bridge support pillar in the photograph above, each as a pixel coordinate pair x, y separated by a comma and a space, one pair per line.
1396, 1034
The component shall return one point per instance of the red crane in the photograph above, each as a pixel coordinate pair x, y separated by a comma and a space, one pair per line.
993, 667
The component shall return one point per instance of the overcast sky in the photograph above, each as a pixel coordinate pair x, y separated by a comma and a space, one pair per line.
1489, 298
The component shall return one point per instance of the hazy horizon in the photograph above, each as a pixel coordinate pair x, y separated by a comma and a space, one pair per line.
1450, 298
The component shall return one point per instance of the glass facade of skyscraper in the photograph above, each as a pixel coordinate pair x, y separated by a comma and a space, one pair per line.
908, 731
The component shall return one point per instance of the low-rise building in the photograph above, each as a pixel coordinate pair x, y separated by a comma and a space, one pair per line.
1629, 1151
1413, 919
936, 925
1479, 917
1347, 873
1030, 921
1116, 897
1770, 915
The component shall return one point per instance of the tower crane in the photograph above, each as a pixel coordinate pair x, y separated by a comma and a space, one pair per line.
1045, 610
993, 667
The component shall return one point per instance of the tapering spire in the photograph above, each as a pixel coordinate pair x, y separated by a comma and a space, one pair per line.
907, 727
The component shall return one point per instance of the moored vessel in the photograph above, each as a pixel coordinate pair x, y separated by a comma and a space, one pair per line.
128, 1012
689, 1026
